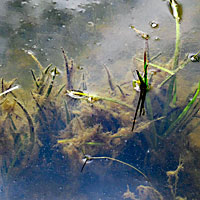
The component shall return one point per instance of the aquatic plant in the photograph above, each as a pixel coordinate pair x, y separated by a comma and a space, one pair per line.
19, 138
150, 193
28, 128
170, 111
173, 178
76, 94
91, 158
143, 85
144, 193
172, 129
97, 123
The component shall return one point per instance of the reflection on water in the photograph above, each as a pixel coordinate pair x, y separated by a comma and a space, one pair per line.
45, 134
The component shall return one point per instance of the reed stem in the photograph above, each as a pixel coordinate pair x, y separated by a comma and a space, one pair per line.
177, 47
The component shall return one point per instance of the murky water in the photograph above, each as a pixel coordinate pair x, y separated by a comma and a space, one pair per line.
95, 34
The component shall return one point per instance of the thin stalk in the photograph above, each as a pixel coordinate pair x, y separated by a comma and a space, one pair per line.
137, 108
158, 67
60, 90
44, 74
174, 93
174, 72
34, 78
163, 82
109, 79
187, 60
115, 101
30, 122
46, 70
68, 71
177, 47
121, 91
189, 116
51, 84
89, 158
92, 98
12, 122
156, 56
197, 54
37, 61
2, 85
43, 79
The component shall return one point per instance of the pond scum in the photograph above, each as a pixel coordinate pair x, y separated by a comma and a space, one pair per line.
90, 124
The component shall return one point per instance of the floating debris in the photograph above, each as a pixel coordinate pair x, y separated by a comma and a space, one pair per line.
154, 24
91, 24
156, 38
140, 33
77, 94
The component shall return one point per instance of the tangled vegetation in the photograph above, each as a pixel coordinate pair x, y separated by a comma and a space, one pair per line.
60, 115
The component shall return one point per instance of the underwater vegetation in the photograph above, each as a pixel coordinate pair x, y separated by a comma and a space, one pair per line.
26, 126
169, 125
59, 116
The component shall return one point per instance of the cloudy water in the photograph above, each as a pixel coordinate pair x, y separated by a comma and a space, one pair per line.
44, 134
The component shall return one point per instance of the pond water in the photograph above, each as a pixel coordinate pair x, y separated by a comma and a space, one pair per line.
46, 130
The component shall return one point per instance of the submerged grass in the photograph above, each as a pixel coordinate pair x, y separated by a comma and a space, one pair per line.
183, 114
98, 124
165, 128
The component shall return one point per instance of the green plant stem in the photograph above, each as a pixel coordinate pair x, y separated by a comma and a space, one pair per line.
176, 58
184, 112
158, 67
93, 98
182, 65
115, 101
174, 72
189, 116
